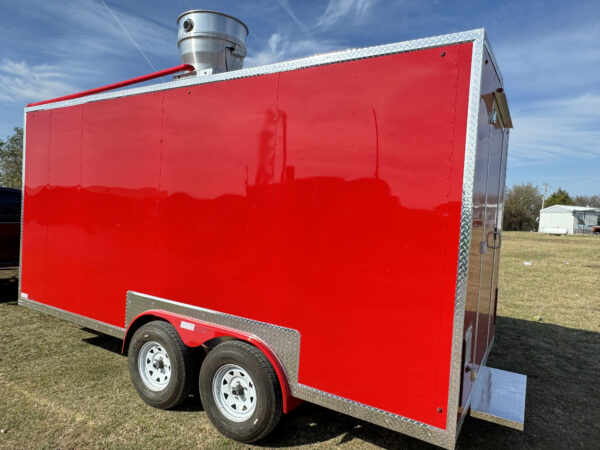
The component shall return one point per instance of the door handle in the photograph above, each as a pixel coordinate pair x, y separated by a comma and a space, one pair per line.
497, 234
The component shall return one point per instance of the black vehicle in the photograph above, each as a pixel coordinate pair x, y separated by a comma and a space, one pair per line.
10, 232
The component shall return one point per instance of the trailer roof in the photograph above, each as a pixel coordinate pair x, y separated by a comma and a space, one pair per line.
311, 61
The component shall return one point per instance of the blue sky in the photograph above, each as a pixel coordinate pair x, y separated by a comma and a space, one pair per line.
548, 52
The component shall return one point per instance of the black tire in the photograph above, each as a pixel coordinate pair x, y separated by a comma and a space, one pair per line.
179, 383
269, 403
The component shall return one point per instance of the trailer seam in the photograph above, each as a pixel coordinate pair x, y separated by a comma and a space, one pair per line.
458, 73
48, 207
270, 249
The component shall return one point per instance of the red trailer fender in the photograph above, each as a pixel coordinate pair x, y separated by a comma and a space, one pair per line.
194, 333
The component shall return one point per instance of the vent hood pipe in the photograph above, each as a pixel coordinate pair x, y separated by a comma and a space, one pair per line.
211, 41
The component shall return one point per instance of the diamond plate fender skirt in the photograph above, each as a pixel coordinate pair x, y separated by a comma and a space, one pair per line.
194, 331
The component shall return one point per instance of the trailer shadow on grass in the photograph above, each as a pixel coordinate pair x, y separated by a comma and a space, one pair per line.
562, 390
110, 343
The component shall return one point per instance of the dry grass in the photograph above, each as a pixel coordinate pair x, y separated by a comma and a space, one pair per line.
65, 387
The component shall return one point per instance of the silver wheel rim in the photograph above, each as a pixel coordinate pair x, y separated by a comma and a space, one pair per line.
154, 366
234, 392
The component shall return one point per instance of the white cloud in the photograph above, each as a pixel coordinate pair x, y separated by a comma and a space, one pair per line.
281, 47
550, 129
285, 4
21, 82
337, 9
14, 67
87, 48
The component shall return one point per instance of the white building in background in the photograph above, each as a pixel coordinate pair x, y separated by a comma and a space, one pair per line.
566, 219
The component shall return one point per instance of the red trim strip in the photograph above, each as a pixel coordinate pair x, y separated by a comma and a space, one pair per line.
108, 87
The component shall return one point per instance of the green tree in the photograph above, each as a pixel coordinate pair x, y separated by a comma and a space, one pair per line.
11, 160
522, 204
587, 200
560, 197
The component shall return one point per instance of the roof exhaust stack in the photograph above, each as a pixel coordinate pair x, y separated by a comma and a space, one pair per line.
211, 41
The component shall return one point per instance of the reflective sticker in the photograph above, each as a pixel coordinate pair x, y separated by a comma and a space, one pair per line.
187, 325
24, 295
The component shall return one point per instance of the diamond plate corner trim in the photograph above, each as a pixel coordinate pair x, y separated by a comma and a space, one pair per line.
465, 230
312, 61
285, 344
22, 202
83, 321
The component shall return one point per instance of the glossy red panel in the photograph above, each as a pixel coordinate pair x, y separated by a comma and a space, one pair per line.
216, 184
62, 291
360, 243
37, 143
121, 146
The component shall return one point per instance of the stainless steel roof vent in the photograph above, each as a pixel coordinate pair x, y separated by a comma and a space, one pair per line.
211, 41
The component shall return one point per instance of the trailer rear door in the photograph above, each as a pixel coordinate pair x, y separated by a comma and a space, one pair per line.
486, 235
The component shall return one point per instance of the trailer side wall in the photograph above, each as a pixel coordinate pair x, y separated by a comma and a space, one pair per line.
326, 200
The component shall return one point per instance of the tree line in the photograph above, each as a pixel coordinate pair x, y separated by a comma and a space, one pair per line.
11, 159
522, 202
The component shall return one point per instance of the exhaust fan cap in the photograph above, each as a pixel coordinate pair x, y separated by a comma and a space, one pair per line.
211, 41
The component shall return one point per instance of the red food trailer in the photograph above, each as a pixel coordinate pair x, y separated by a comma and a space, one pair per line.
326, 229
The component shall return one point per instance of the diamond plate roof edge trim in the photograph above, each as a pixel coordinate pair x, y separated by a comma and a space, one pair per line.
311, 61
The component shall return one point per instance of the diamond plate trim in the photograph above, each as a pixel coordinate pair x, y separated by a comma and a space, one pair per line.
285, 344
404, 425
312, 61
22, 200
83, 321
465, 231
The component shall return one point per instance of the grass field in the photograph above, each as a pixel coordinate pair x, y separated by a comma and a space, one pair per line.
66, 387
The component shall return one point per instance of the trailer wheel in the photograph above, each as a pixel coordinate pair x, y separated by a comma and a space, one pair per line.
160, 365
240, 391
